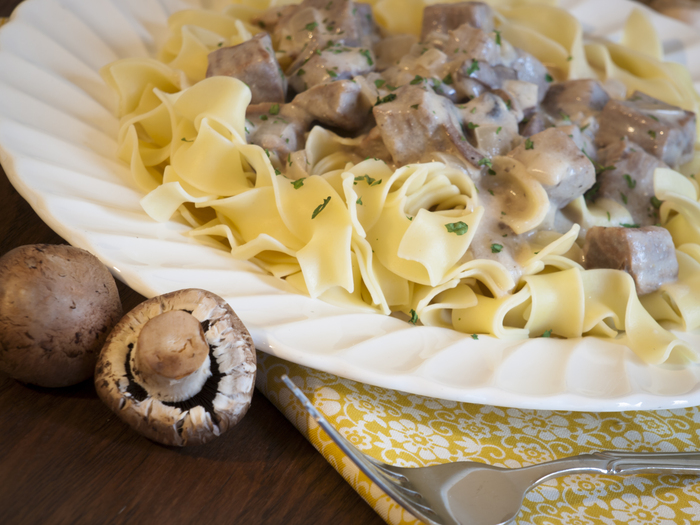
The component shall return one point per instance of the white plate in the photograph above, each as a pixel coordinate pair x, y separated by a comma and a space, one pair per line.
57, 145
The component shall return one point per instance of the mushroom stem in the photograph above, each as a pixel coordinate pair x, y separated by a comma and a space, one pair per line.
171, 358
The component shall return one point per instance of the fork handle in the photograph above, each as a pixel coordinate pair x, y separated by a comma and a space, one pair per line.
625, 463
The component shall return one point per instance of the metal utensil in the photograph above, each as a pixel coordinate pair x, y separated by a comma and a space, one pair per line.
470, 493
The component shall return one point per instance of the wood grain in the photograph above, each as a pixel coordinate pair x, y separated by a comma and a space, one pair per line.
66, 459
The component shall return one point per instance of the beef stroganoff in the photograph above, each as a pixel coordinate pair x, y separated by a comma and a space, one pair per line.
474, 168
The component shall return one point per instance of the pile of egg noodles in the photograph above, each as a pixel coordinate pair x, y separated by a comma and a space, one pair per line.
351, 243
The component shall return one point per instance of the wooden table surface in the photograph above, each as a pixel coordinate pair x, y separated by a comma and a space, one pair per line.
65, 458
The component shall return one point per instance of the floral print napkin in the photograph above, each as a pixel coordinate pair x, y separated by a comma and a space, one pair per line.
410, 430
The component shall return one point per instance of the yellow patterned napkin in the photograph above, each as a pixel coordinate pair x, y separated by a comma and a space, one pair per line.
410, 430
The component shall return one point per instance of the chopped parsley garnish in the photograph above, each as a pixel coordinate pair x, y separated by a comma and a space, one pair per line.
564, 116
498, 130
365, 53
569, 58
277, 172
652, 116
471, 125
289, 159
498, 37
415, 106
623, 197
183, 139
529, 144
328, 5
592, 192
474, 67
631, 183
548, 333
359, 201
496, 248
379, 82
630, 225
608, 215
416, 80
414, 317
652, 133
388, 98
321, 207
301, 72
332, 73
583, 128
274, 109
503, 213
460, 228
370, 180
263, 117
656, 203
474, 336
311, 26
509, 105
548, 78
485, 162
297, 184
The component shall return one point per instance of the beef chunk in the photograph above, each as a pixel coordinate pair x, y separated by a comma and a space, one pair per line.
665, 131
467, 43
626, 175
336, 104
532, 125
529, 69
575, 99
392, 49
277, 128
553, 158
441, 18
333, 62
254, 63
647, 254
314, 23
367, 28
416, 122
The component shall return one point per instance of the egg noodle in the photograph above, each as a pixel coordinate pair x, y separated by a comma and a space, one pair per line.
365, 236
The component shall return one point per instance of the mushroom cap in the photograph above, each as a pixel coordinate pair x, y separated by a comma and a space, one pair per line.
220, 404
57, 306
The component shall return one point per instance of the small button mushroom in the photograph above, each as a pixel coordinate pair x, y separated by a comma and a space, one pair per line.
58, 303
179, 368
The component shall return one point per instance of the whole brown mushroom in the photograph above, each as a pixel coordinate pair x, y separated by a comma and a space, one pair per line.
58, 303
179, 368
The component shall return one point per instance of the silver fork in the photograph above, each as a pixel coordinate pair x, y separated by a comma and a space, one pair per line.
470, 493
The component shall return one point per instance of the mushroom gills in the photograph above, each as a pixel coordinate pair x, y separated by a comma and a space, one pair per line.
204, 398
